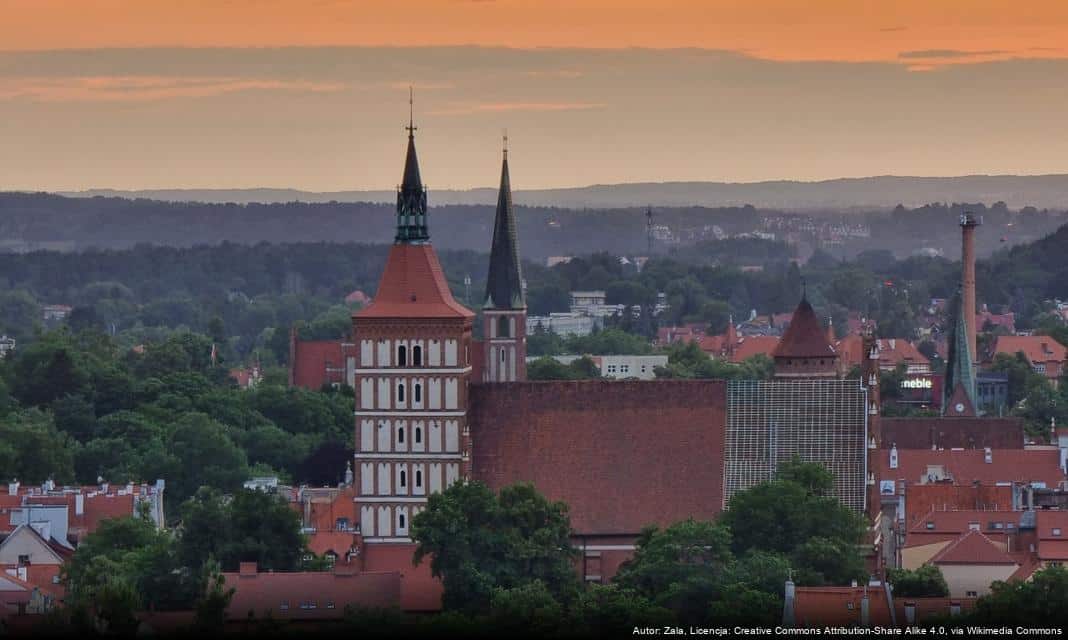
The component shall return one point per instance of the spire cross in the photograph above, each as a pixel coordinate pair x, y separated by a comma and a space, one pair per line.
506, 143
411, 113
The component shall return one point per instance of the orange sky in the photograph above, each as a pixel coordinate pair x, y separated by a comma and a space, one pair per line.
942, 31
312, 94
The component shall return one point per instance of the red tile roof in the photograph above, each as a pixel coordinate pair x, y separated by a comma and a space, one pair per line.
291, 595
892, 351
937, 526
1038, 350
749, 346
967, 466
621, 454
413, 285
949, 432
805, 337
924, 499
839, 606
972, 548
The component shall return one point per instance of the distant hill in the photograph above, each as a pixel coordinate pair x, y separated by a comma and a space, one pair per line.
1049, 191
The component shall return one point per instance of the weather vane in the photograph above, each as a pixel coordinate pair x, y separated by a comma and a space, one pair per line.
411, 112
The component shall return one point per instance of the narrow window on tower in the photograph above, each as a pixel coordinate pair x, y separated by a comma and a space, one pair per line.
400, 436
403, 481
418, 436
418, 479
417, 356
400, 392
502, 355
402, 355
417, 392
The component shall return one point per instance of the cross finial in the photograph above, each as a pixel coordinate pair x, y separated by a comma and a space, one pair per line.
804, 288
411, 112
505, 143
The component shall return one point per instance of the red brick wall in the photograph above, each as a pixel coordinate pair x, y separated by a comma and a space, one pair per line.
622, 454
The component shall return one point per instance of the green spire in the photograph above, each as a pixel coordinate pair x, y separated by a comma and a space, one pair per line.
411, 198
959, 368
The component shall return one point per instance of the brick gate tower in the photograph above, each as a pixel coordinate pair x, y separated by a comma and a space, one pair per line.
411, 379
504, 311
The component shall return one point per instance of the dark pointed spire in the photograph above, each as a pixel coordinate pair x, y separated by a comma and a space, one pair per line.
411, 198
504, 284
959, 368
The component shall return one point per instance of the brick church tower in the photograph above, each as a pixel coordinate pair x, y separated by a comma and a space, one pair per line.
411, 378
504, 311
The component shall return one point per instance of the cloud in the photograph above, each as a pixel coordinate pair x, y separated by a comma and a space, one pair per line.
145, 88
495, 107
554, 73
949, 53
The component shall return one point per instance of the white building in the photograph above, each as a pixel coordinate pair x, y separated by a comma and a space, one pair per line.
6, 344
620, 367
562, 324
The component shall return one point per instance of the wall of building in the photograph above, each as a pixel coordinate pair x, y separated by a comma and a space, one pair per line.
621, 454
963, 578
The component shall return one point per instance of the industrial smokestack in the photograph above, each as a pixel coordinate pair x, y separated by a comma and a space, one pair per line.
968, 223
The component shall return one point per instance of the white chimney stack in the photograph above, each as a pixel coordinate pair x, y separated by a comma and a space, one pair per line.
893, 456
13, 488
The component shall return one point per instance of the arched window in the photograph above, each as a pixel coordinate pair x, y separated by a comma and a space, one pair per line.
400, 521
402, 355
400, 392
504, 329
418, 435
400, 436
419, 478
403, 479
417, 356
502, 355
417, 392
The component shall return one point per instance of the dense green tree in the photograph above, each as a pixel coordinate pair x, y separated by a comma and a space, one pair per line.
479, 541
1042, 600
546, 368
683, 567
785, 515
923, 582
206, 456
252, 526
32, 450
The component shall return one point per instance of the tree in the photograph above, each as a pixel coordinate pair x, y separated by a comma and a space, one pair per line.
478, 541
546, 368
206, 455
32, 450
682, 568
1044, 598
926, 581
793, 515
253, 526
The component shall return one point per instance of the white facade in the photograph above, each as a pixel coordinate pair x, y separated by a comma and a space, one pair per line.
409, 417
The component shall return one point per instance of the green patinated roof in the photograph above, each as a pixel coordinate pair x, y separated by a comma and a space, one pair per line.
959, 367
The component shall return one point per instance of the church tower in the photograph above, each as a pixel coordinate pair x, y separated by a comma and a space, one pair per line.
959, 384
504, 311
411, 379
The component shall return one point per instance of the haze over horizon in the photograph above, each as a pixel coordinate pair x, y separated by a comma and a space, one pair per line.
313, 96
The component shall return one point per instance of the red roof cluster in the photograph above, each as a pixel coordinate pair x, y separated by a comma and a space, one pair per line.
805, 337
842, 607
308, 595
1041, 351
965, 467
